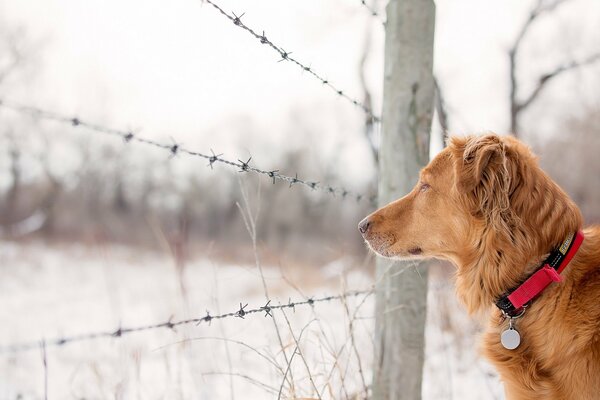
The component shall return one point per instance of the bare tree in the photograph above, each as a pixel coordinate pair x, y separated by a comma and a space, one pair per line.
518, 105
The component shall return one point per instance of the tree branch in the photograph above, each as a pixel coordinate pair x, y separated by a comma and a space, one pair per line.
367, 99
516, 106
15, 54
440, 107
544, 79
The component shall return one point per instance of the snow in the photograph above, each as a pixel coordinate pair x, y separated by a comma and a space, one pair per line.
49, 291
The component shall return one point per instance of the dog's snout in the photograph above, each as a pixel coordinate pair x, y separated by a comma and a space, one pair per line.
364, 225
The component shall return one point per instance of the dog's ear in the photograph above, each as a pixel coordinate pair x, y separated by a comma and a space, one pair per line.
483, 173
477, 159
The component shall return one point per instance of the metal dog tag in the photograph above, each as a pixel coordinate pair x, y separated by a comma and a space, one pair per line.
510, 338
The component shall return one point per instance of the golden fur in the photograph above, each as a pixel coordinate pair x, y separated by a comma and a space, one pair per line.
484, 204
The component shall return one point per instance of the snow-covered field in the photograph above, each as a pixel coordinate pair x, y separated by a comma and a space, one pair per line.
55, 291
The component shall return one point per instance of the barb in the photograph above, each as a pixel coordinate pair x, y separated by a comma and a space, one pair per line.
286, 56
175, 149
373, 12
242, 312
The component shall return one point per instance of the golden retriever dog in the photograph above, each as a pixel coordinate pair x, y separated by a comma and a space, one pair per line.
484, 204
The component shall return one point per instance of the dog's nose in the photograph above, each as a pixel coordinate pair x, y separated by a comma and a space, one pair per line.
364, 225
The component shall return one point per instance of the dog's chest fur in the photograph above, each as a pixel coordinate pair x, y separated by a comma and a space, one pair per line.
559, 354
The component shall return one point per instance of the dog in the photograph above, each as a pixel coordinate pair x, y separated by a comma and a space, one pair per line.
521, 257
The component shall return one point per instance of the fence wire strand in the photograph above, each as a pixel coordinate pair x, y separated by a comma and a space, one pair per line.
373, 12
286, 56
241, 313
174, 149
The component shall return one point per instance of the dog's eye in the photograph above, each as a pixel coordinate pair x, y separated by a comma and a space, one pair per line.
424, 187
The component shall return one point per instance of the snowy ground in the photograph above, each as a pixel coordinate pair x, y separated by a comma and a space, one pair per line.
55, 291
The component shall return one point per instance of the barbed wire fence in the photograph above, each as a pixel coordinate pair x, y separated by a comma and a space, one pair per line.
175, 149
286, 55
243, 166
242, 312
172, 150
213, 158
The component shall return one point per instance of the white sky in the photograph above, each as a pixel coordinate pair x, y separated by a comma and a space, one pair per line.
179, 69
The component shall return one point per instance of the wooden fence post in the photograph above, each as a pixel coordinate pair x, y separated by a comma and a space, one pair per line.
407, 111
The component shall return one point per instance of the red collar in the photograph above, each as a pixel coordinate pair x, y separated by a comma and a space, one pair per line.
513, 302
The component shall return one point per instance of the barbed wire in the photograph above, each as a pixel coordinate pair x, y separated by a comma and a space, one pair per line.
286, 56
241, 312
373, 12
175, 149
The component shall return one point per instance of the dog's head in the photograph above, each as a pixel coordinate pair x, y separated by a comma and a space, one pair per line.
479, 192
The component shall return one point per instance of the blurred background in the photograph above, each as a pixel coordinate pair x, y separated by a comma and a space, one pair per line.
96, 232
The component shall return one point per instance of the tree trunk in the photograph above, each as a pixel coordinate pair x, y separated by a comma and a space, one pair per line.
407, 112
